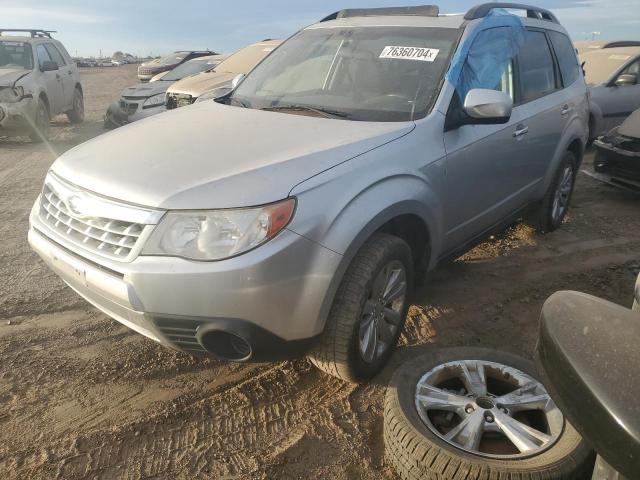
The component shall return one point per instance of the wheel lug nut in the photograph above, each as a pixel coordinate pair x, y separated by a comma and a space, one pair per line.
469, 409
488, 417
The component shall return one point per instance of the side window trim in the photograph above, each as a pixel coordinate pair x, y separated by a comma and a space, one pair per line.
556, 64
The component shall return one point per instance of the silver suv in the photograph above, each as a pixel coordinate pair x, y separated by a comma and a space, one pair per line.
38, 80
292, 215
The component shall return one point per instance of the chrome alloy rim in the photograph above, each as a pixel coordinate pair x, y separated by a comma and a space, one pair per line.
488, 409
78, 104
382, 312
563, 192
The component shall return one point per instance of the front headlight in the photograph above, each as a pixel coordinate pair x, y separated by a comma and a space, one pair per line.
154, 100
211, 94
11, 95
218, 234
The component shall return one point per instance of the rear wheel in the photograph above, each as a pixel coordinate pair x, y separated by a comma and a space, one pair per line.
76, 114
368, 312
551, 212
471, 413
40, 128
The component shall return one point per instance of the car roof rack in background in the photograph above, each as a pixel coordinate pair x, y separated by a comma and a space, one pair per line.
622, 43
481, 11
418, 11
34, 32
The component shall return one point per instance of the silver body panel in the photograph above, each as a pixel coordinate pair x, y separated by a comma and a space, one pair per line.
349, 178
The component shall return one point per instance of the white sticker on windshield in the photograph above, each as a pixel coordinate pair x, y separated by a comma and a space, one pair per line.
410, 53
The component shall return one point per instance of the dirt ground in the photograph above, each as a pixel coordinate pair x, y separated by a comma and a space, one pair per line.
83, 397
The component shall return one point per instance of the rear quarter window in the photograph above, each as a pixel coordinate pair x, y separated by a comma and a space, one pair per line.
567, 60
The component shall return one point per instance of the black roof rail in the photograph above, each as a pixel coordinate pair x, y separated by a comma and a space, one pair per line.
34, 32
482, 10
417, 11
622, 43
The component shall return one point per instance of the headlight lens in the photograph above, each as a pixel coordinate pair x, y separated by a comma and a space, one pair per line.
154, 100
11, 95
218, 234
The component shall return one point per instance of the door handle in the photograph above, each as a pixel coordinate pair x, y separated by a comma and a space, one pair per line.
520, 130
58, 76
565, 109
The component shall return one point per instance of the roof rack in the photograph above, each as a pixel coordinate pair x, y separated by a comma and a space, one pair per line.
418, 11
34, 32
622, 43
481, 11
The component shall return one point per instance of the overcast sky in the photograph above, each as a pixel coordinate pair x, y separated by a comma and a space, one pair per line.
160, 26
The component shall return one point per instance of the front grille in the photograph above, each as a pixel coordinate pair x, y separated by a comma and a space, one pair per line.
177, 100
111, 238
129, 107
181, 333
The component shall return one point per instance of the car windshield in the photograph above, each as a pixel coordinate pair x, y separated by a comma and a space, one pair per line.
600, 65
171, 59
189, 68
359, 73
15, 55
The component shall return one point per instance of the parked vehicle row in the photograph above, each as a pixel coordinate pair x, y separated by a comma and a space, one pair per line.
197, 79
145, 99
148, 70
293, 214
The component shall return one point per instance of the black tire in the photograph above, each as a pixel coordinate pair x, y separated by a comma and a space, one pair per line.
542, 218
76, 114
40, 129
337, 352
416, 453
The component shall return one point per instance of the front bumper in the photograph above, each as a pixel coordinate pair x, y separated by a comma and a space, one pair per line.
617, 165
271, 296
17, 118
123, 112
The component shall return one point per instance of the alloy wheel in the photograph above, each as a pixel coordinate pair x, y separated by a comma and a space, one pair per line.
562, 194
382, 312
488, 409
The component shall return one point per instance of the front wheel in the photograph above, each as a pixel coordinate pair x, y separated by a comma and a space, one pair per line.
76, 114
40, 128
368, 312
554, 207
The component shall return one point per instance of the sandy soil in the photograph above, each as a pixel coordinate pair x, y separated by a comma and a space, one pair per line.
83, 397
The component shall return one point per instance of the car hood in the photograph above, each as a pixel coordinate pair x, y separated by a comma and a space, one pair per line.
631, 126
203, 82
210, 155
10, 75
146, 89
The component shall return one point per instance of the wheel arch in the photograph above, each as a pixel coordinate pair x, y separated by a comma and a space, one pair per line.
405, 219
45, 98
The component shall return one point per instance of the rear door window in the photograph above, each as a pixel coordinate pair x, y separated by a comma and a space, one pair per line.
537, 70
566, 54
55, 55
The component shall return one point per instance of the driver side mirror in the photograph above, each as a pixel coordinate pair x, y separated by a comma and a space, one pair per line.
236, 81
487, 106
627, 79
48, 66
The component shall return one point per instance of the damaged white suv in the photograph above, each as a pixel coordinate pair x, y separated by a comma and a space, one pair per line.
38, 80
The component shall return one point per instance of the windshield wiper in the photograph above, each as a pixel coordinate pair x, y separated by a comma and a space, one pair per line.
322, 111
